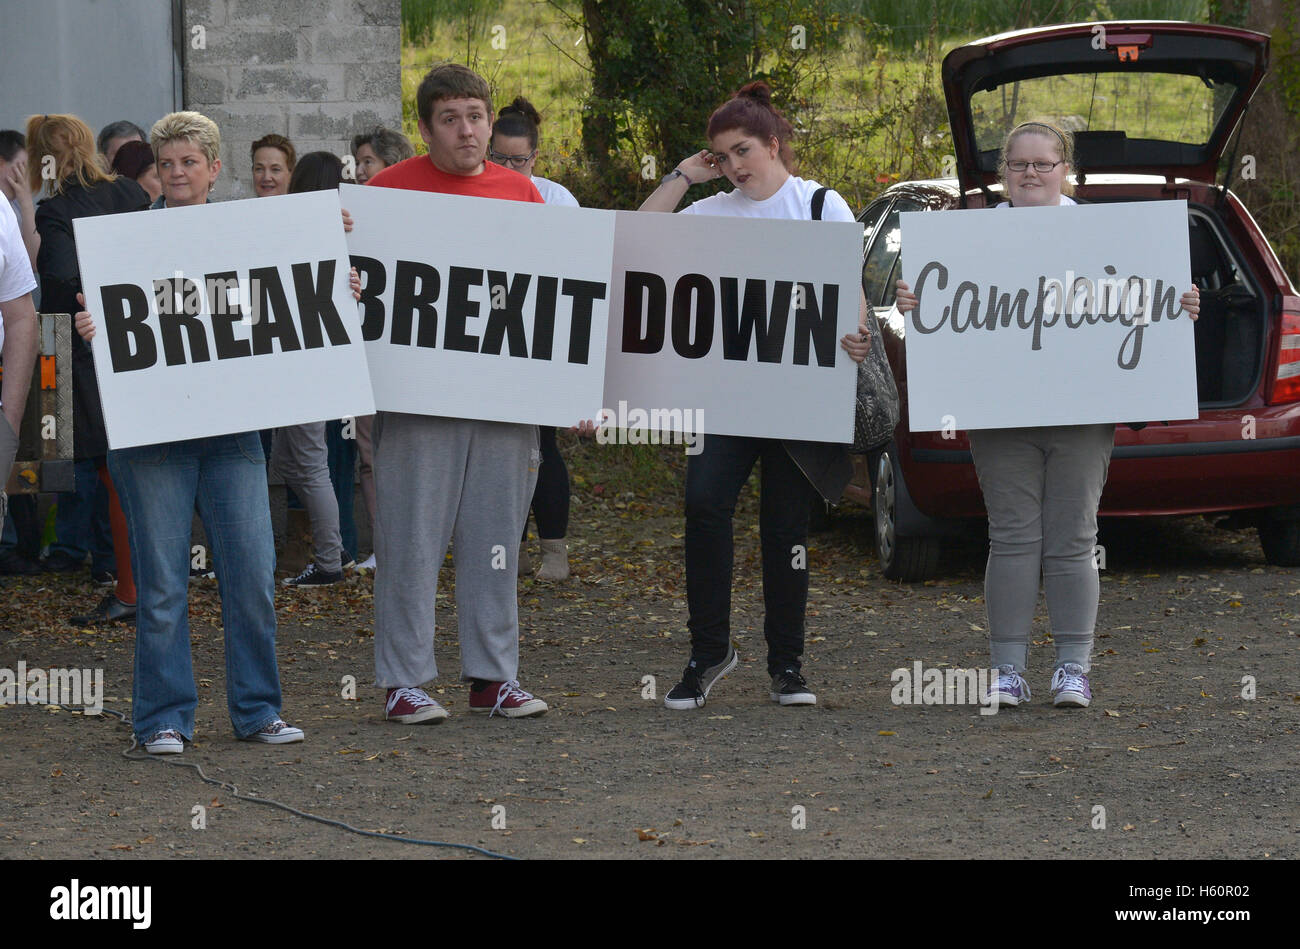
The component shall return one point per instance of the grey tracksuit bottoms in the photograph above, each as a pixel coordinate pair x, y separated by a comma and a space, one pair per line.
1042, 487
299, 456
439, 480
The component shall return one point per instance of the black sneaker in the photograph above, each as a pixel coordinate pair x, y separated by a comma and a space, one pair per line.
313, 576
693, 690
202, 573
104, 578
789, 688
14, 564
110, 610
59, 562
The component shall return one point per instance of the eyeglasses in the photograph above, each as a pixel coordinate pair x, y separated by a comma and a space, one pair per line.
514, 161
1042, 167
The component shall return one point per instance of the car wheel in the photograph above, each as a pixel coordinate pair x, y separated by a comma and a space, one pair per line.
901, 557
1281, 541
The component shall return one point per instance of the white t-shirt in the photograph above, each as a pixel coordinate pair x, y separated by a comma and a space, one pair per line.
792, 202
1065, 200
16, 276
553, 192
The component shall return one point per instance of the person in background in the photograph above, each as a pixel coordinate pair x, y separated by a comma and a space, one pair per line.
514, 146
373, 151
20, 331
113, 136
225, 475
20, 540
273, 162
135, 160
299, 455
749, 144
376, 149
14, 186
81, 188
1042, 486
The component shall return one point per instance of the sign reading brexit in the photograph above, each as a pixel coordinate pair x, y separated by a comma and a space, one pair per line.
222, 318
737, 320
483, 309
1048, 316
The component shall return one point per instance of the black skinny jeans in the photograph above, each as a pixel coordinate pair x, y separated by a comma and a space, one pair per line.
714, 479
551, 496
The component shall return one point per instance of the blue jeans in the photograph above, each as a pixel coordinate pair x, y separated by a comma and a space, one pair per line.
158, 486
81, 522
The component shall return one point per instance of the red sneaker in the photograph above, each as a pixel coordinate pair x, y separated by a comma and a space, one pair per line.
506, 698
412, 706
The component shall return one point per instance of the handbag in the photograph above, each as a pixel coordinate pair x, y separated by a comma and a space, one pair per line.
877, 400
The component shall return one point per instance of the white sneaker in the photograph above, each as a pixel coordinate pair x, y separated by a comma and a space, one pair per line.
165, 743
279, 732
1010, 688
367, 564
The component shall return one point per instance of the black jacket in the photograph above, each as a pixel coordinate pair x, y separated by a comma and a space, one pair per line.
61, 282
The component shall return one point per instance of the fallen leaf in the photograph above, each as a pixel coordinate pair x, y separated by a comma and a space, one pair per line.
886, 733
1112, 713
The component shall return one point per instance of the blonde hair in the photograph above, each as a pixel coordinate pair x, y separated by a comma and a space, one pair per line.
1048, 130
193, 127
72, 144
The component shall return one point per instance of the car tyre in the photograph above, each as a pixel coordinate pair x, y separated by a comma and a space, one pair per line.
901, 557
1280, 539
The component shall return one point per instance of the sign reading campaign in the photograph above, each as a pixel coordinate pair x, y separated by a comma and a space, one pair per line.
737, 319
484, 309
1048, 316
222, 318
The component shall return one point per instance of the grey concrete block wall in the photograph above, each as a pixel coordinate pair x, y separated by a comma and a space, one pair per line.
317, 71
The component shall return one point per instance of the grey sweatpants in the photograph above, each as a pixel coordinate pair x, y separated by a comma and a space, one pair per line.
439, 480
299, 456
1041, 488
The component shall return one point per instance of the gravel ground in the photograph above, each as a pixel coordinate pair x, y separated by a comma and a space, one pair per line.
1182, 764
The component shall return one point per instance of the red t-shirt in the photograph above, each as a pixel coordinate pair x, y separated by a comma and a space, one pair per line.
420, 174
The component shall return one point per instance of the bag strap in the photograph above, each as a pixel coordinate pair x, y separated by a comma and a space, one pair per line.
818, 199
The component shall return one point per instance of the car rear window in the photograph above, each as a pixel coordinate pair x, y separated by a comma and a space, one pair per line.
1164, 107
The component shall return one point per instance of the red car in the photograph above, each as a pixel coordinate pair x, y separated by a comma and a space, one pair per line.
1153, 107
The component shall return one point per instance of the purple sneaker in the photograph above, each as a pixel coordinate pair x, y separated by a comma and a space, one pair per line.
1070, 687
1009, 689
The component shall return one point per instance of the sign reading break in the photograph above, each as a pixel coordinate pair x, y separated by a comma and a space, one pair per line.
1048, 316
222, 318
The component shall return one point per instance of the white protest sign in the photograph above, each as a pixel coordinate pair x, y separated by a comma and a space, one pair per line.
480, 308
734, 322
222, 318
1048, 316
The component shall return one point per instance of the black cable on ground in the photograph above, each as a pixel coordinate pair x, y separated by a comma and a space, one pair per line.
233, 790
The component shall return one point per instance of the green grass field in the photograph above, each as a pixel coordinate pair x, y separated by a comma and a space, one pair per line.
872, 109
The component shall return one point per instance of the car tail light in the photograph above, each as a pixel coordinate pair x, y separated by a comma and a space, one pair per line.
1286, 387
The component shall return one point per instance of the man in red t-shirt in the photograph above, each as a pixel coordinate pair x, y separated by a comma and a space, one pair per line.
438, 478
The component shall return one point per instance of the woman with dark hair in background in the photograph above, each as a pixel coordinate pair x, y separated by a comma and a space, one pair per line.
378, 148
81, 188
514, 146
135, 160
373, 151
273, 159
299, 454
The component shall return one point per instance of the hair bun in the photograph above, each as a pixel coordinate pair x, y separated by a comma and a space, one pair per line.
757, 90
521, 106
